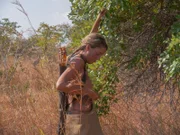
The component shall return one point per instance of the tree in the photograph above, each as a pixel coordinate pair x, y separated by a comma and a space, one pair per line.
46, 39
136, 32
10, 45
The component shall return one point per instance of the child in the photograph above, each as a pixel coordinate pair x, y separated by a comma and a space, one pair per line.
81, 118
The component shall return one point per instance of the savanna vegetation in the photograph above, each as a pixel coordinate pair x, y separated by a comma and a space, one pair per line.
138, 80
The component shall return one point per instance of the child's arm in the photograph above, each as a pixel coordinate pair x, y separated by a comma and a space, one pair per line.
97, 22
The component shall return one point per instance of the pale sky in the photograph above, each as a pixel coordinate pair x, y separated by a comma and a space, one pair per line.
52, 12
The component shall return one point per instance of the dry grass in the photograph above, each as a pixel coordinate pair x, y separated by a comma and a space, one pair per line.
29, 106
142, 116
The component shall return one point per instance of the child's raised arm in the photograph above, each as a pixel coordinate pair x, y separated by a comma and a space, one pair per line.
97, 22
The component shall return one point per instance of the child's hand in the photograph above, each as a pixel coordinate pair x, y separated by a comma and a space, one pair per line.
92, 94
103, 12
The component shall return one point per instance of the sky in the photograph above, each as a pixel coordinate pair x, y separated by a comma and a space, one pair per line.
52, 12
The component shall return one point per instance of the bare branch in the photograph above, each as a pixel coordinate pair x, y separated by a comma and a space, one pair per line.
24, 12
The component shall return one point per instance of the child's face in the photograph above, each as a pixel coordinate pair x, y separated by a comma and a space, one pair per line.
94, 54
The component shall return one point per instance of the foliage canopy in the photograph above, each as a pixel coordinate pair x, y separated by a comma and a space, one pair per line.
142, 35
